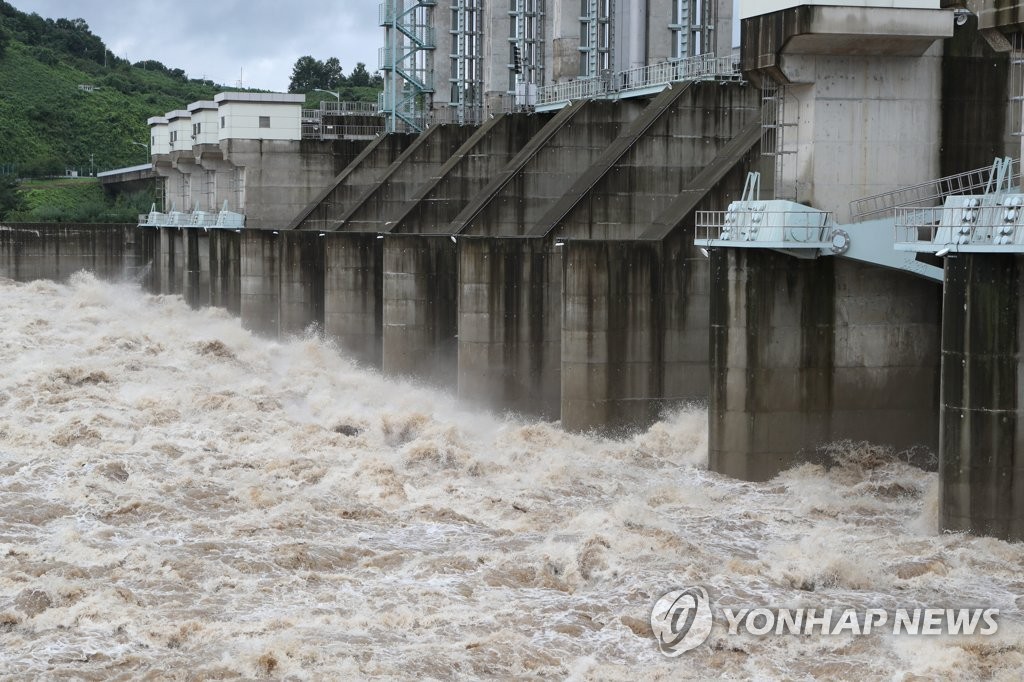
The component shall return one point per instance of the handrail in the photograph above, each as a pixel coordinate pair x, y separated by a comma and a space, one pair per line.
700, 67
933, 192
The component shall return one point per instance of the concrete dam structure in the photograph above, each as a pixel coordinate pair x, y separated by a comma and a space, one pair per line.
809, 234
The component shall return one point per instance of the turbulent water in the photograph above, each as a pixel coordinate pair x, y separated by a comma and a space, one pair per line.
180, 499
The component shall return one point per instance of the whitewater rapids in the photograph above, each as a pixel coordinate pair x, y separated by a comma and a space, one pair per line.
181, 499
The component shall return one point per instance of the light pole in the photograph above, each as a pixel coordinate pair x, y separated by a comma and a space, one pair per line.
144, 146
330, 92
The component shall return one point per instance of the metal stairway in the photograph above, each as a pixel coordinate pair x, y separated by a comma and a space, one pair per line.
406, 62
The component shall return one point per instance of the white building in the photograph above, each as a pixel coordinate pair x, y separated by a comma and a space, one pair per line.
243, 149
259, 116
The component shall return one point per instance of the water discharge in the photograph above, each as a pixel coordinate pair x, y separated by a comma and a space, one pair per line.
180, 499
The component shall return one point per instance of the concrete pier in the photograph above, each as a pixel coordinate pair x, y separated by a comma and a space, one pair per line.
634, 331
354, 294
147, 247
808, 352
508, 359
420, 308
196, 277
981, 446
302, 282
509, 312
172, 260
635, 307
260, 282
225, 270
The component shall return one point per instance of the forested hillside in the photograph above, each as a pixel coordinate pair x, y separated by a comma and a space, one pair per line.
48, 122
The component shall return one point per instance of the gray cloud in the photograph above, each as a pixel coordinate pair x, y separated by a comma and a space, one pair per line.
222, 40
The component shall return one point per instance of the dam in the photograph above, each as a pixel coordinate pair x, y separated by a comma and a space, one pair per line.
612, 211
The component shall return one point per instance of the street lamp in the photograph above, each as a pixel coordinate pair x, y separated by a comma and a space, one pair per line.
144, 146
329, 92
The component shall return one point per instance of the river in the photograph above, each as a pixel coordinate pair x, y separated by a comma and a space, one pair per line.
181, 499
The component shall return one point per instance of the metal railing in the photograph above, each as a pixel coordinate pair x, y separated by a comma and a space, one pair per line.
970, 223
583, 88
749, 227
700, 67
204, 219
335, 108
472, 116
930, 193
339, 132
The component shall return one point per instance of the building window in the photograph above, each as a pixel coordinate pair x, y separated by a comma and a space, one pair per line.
221, 121
174, 136
264, 121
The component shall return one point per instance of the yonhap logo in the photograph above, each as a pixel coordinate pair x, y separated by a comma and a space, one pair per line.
681, 620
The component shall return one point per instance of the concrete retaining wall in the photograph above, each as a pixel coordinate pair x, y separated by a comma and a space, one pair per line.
30, 251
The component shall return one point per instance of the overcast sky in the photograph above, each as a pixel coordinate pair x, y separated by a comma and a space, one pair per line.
223, 39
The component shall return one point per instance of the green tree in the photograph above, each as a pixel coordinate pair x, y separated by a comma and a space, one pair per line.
332, 75
306, 74
359, 77
11, 199
5, 38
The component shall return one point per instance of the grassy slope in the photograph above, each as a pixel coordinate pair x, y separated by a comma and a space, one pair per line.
76, 200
